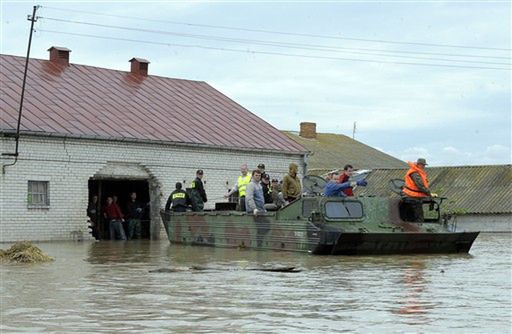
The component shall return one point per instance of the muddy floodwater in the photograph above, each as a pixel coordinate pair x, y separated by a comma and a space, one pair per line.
110, 287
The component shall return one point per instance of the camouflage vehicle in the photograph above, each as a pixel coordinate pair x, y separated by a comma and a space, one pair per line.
324, 225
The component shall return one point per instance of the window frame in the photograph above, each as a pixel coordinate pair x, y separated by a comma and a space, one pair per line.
39, 188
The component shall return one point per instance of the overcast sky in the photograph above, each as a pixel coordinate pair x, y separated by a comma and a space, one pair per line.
333, 63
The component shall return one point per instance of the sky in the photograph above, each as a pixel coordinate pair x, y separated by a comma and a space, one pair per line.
425, 79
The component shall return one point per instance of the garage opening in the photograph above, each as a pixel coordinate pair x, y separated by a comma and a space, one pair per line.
121, 189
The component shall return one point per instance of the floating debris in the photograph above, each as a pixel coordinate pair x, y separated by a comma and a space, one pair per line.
24, 252
201, 268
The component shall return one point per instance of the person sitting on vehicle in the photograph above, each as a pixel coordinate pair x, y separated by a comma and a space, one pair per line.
333, 188
178, 199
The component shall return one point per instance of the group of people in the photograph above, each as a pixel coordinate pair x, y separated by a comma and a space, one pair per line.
258, 193
255, 191
122, 225
179, 200
339, 185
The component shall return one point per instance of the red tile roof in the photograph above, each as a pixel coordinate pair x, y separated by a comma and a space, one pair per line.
78, 100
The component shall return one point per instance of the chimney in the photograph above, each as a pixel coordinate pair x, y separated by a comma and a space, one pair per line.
59, 55
139, 66
307, 130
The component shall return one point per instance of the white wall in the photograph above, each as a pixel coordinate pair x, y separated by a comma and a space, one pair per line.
485, 223
68, 164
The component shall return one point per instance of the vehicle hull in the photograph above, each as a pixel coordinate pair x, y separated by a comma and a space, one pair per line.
241, 230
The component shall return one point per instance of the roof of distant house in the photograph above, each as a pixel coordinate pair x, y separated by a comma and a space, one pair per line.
85, 101
333, 151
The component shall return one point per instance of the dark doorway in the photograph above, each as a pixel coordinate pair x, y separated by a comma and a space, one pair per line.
121, 188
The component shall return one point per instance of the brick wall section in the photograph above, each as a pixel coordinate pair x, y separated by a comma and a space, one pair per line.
307, 130
68, 164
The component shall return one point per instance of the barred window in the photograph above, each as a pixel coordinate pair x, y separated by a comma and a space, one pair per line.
38, 194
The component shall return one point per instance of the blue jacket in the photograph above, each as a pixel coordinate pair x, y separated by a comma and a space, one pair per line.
333, 188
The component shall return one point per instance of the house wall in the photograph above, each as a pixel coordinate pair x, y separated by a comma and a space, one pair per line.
68, 164
485, 223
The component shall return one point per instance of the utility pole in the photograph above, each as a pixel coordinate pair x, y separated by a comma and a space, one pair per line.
354, 131
33, 19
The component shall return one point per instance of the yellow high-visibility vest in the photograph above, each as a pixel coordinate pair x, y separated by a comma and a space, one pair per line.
242, 183
178, 195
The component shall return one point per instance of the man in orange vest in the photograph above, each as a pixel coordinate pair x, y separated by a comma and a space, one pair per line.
416, 187
416, 182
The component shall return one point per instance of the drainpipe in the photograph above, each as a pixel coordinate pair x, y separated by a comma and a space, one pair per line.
17, 136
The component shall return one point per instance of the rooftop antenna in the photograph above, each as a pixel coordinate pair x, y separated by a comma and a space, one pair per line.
33, 19
354, 130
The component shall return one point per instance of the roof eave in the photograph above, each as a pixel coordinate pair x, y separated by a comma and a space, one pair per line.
12, 132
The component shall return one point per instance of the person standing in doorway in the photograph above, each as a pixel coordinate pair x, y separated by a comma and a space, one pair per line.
240, 186
93, 212
198, 194
114, 216
134, 211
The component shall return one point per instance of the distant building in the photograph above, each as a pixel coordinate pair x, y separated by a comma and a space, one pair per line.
333, 151
478, 195
87, 130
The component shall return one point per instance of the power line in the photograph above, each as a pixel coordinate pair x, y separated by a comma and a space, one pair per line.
283, 32
268, 53
266, 43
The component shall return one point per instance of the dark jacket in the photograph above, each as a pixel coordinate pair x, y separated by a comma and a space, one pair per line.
267, 193
177, 199
134, 210
93, 211
197, 195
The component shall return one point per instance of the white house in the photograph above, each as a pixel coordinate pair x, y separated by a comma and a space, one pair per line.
87, 130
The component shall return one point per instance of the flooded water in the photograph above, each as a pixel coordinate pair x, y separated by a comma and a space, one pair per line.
108, 287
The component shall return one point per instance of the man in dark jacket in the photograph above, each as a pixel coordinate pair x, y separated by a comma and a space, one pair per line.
267, 190
134, 211
198, 194
178, 200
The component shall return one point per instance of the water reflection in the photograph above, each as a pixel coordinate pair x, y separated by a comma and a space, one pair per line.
413, 305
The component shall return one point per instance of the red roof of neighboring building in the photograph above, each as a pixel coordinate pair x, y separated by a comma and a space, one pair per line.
79, 100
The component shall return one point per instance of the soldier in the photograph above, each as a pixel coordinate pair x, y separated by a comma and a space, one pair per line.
178, 200
198, 194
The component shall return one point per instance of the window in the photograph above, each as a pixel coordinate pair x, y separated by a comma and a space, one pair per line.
340, 210
38, 194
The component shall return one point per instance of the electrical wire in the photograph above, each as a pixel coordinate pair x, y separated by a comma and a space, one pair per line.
267, 52
281, 32
266, 43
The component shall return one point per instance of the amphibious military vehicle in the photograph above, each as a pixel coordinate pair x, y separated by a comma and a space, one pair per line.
325, 225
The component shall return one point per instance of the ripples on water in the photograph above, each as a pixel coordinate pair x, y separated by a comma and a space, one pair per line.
107, 287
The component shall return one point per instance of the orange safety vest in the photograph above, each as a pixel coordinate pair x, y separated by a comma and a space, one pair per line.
410, 188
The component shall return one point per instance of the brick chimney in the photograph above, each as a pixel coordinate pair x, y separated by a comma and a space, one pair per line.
59, 55
307, 130
139, 66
